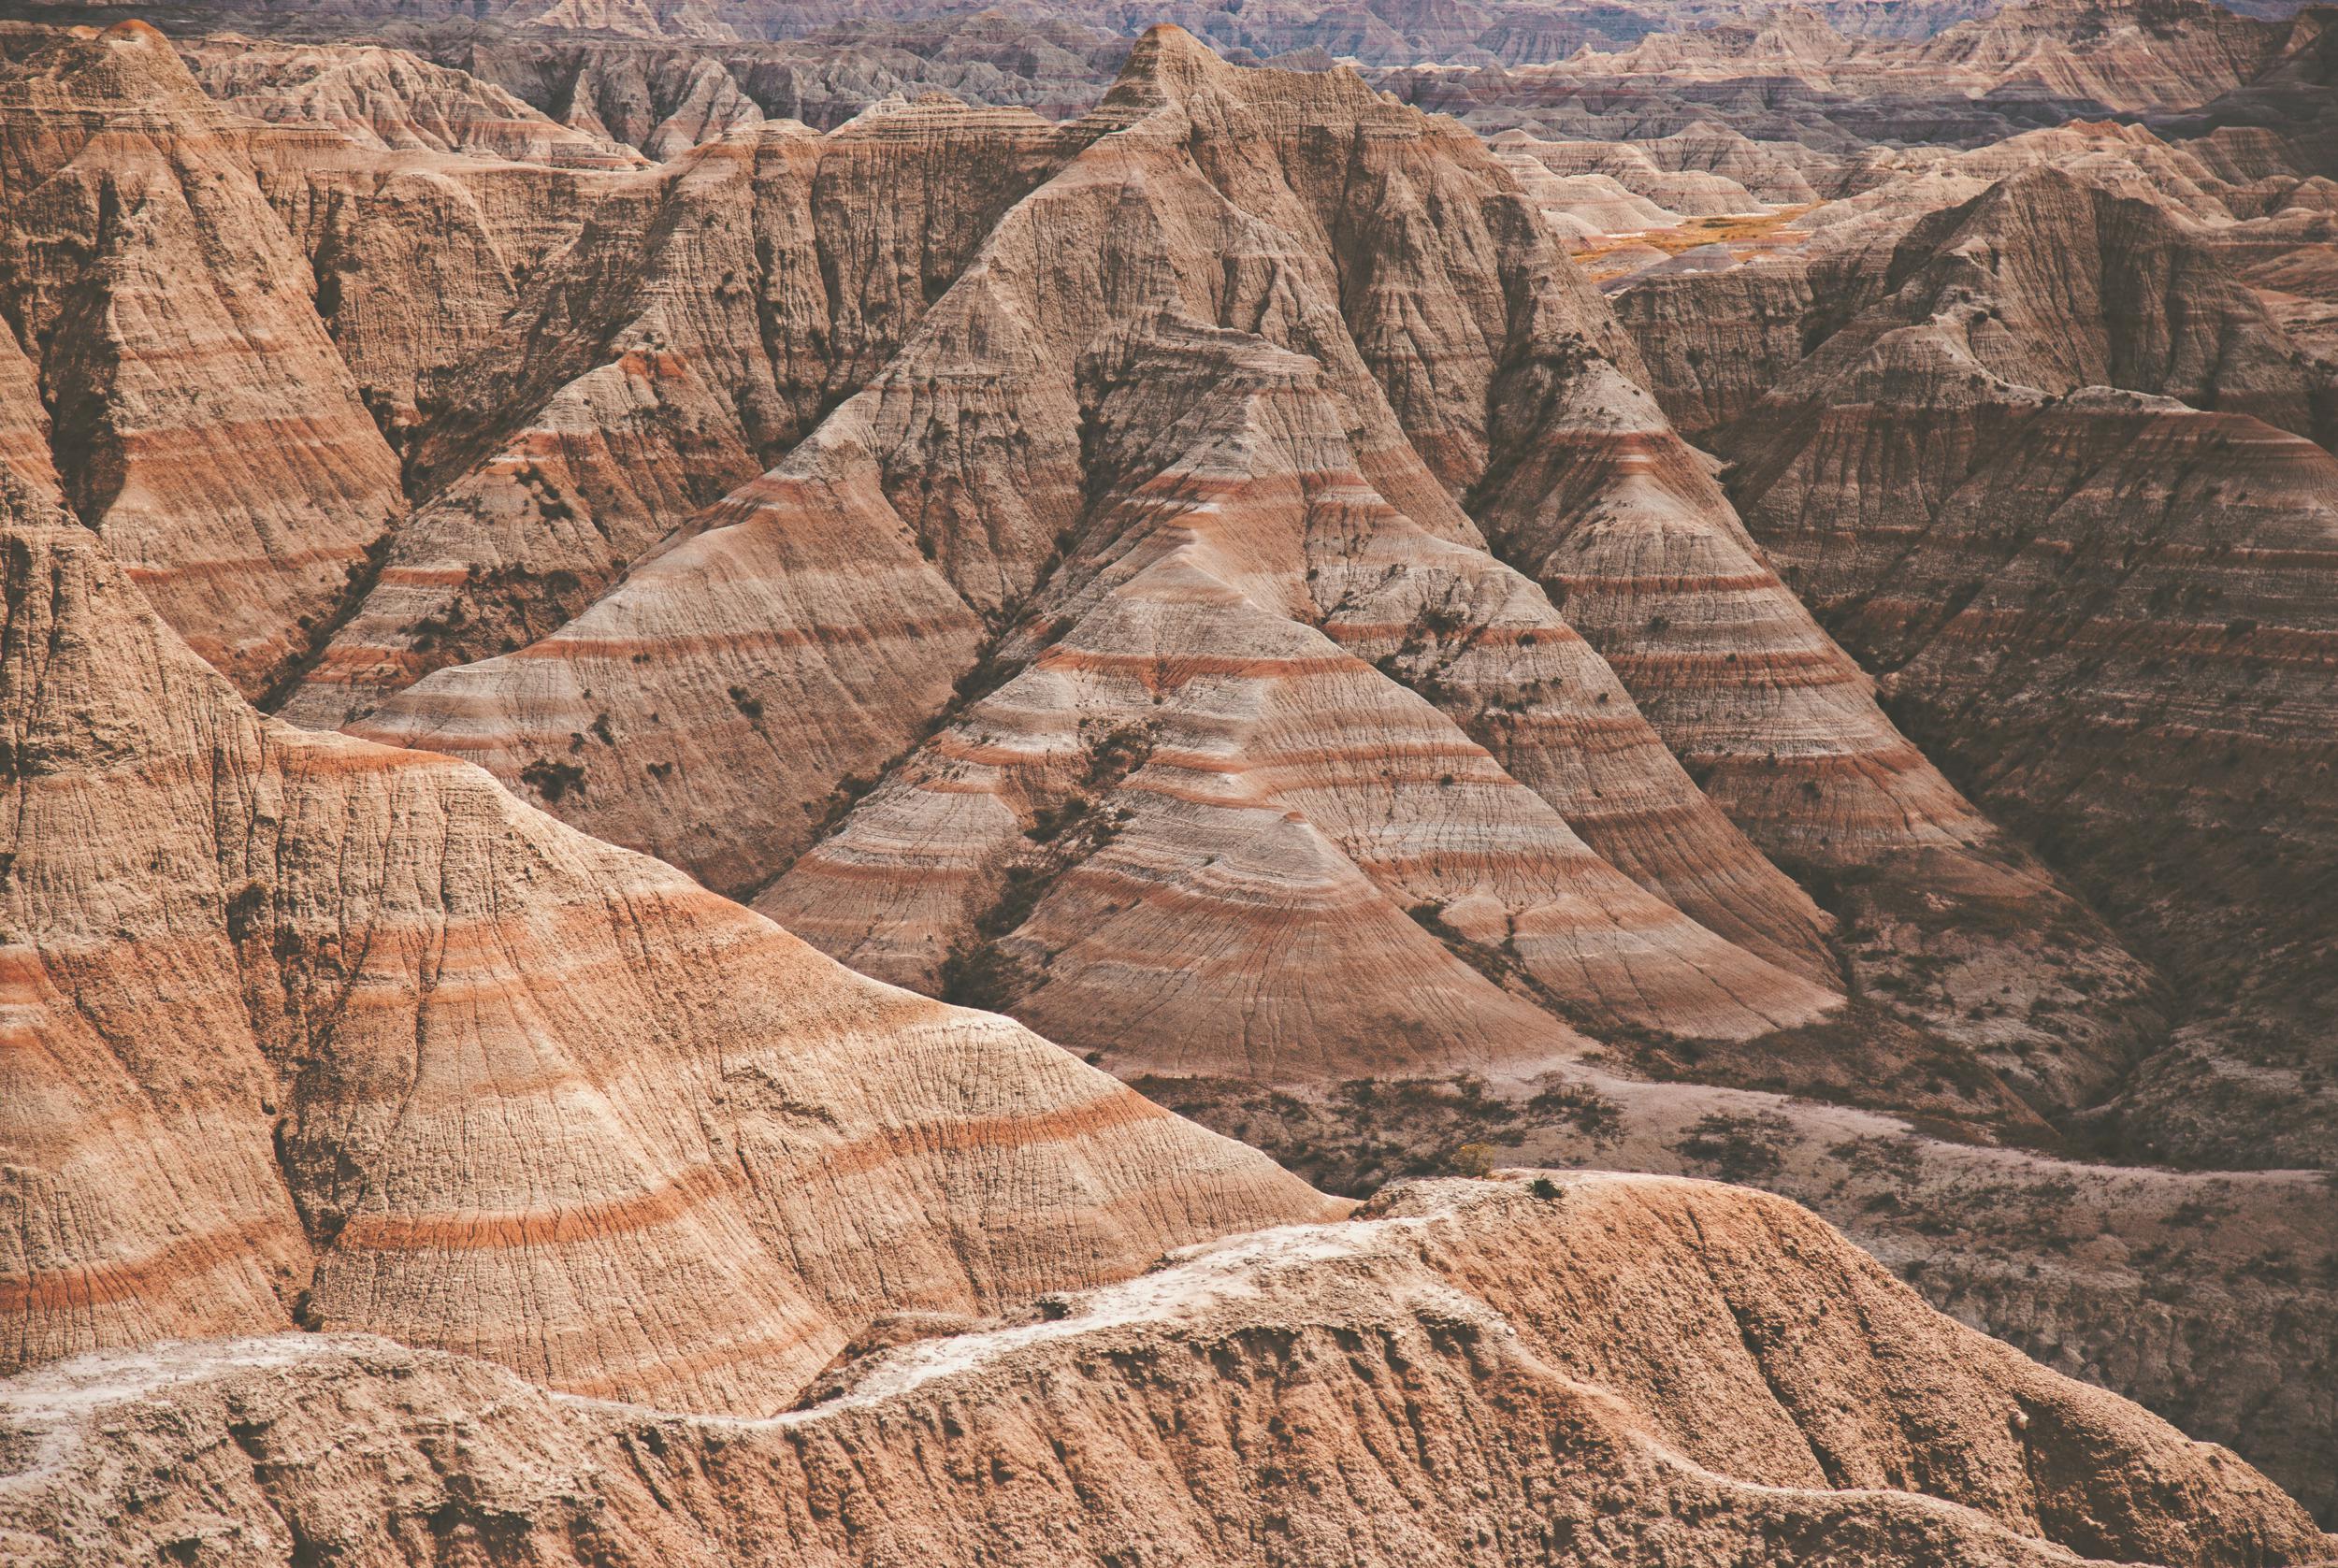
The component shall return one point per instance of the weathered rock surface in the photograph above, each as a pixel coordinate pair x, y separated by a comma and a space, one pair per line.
1951, 457
2208, 1296
690, 324
978, 621
306, 1030
1057, 521
1192, 758
211, 434
1220, 588
388, 99
1480, 1372
1791, 76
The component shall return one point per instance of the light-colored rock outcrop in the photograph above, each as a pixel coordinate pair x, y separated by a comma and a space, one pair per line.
1690, 193
1590, 1367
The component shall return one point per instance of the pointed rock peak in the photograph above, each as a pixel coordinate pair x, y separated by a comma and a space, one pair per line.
892, 103
129, 62
1167, 64
135, 32
2023, 205
1170, 65
2037, 179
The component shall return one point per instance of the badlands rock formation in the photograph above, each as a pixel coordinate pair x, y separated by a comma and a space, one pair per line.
665, 99
387, 98
995, 546
1981, 423
307, 1030
1793, 74
1213, 580
211, 435
1590, 1369
653, 339
426, 1053
666, 78
974, 558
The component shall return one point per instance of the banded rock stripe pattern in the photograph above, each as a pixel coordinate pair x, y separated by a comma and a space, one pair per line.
217, 440
1211, 782
1986, 481
301, 1027
388, 99
771, 656
698, 319
992, 428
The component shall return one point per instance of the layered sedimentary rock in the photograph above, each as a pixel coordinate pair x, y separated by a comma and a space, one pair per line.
1952, 479
2162, 53
1593, 1367
664, 80
2173, 566
2288, 109
2149, 308
1111, 636
994, 465
1793, 77
665, 96
211, 434
24, 424
695, 325
2194, 230
1677, 193
303, 1030
388, 99
964, 512
1184, 758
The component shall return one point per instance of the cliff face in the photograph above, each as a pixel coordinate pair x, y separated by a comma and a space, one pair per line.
1473, 1374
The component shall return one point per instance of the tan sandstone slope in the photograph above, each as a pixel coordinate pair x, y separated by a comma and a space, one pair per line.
986, 506
645, 332
1113, 638
301, 1029
1590, 1369
651, 341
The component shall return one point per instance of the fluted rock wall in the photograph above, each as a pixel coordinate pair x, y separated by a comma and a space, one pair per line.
214, 437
